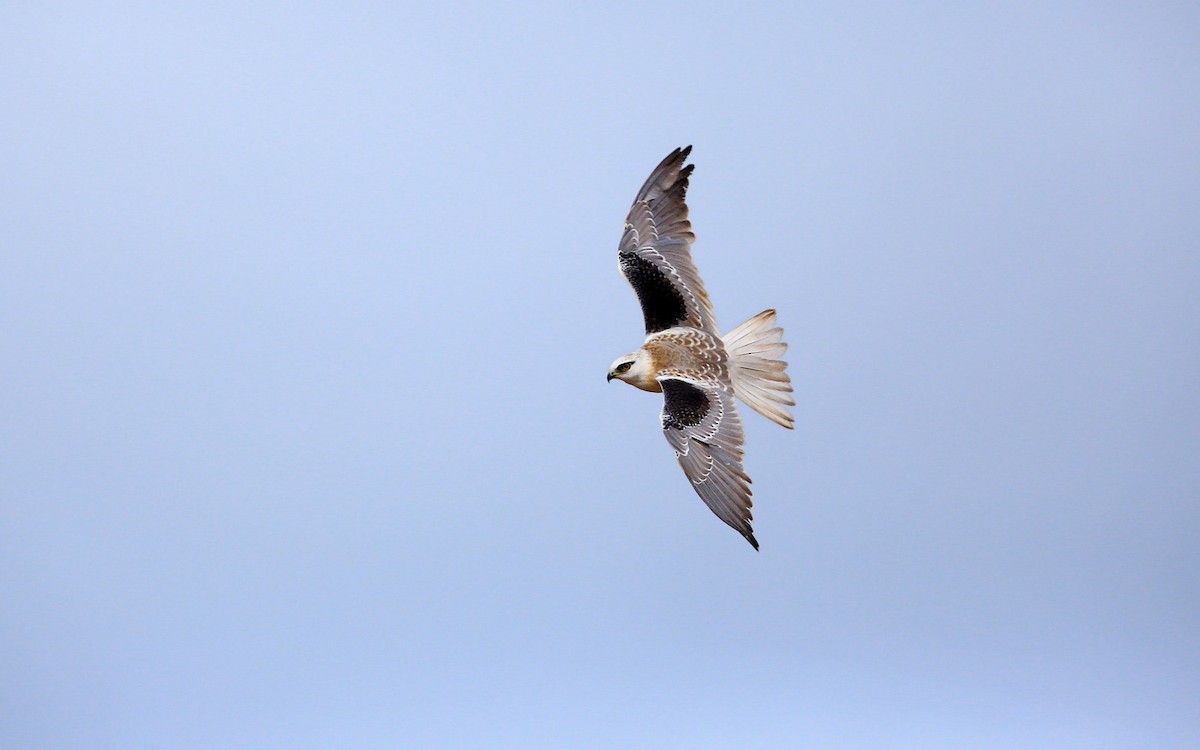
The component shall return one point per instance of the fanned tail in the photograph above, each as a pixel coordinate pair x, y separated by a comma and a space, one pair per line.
759, 377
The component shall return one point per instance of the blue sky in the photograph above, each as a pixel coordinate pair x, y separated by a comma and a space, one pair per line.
307, 441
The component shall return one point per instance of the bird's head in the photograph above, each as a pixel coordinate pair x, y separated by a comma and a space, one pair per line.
634, 369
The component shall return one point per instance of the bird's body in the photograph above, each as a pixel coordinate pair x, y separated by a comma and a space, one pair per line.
698, 371
679, 352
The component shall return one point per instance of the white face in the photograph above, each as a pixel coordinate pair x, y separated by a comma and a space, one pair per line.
635, 369
623, 367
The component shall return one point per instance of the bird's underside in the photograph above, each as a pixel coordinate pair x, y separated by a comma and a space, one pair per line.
684, 356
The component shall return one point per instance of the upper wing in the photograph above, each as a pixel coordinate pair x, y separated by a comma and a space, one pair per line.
702, 425
655, 252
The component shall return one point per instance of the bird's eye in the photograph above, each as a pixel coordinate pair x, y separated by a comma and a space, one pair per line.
624, 366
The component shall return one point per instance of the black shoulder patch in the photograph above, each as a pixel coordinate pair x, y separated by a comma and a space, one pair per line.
686, 405
663, 306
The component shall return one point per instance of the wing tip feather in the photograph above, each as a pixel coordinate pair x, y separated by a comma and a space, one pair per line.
750, 538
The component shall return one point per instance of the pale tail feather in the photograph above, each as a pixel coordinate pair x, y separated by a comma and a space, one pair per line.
759, 377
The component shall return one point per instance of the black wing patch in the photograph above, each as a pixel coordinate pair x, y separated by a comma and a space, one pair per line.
663, 305
686, 405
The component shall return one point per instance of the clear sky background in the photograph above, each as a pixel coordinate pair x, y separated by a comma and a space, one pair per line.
306, 312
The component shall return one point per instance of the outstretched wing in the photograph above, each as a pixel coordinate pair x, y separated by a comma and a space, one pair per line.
702, 425
655, 252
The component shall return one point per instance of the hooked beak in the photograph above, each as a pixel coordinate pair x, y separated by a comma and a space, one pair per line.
610, 377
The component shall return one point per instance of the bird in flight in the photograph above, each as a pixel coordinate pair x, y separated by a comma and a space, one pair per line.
685, 357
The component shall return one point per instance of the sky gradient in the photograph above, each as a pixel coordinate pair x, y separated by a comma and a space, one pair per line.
307, 440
